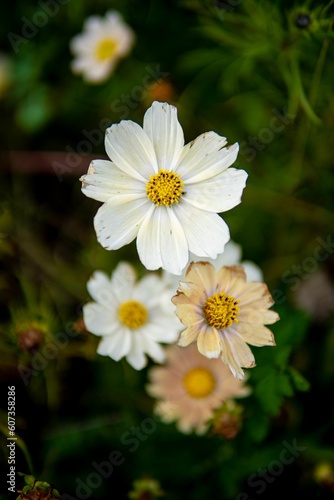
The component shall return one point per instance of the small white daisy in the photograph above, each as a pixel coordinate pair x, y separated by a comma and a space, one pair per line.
165, 194
98, 49
131, 317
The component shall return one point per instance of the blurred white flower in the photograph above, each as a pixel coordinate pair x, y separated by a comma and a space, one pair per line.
131, 317
162, 192
230, 257
223, 314
190, 386
99, 47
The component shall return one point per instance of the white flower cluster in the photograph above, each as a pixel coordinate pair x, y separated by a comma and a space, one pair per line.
168, 196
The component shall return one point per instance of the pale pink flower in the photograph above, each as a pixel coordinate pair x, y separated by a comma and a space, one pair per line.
190, 386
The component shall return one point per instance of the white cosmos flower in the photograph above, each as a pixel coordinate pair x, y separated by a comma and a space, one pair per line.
166, 194
98, 49
130, 317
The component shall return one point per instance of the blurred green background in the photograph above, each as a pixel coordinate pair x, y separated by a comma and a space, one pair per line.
260, 73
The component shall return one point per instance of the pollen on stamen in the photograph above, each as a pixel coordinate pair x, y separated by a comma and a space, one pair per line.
221, 310
165, 188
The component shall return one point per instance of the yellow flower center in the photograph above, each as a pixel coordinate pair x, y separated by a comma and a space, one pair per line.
105, 49
164, 188
199, 383
132, 314
221, 310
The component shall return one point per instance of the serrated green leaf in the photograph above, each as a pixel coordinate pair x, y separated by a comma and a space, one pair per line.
271, 391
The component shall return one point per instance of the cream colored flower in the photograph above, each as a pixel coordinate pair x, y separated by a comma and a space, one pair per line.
190, 386
162, 192
102, 44
131, 317
223, 313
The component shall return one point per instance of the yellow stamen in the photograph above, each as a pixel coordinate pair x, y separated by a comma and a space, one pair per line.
105, 49
164, 188
132, 314
221, 310
199, 383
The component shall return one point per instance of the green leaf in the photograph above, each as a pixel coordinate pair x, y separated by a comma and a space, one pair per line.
35, 110
257, 428
300, 383
271, 391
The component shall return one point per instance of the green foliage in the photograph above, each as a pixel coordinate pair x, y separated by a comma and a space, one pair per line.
259, 73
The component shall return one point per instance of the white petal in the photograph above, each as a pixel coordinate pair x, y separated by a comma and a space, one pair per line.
171, 281
122, 282
93, 24
149, 290
206, 157
219, 193
116, 346
100, 289
99, 320
129, 147
206, 232
161, 241
136, 357
154, 350
162, 127
253, 272
117, 224
163, 331
230, 256
78, 65
104, 180
81, 45
113, 19
98, 72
